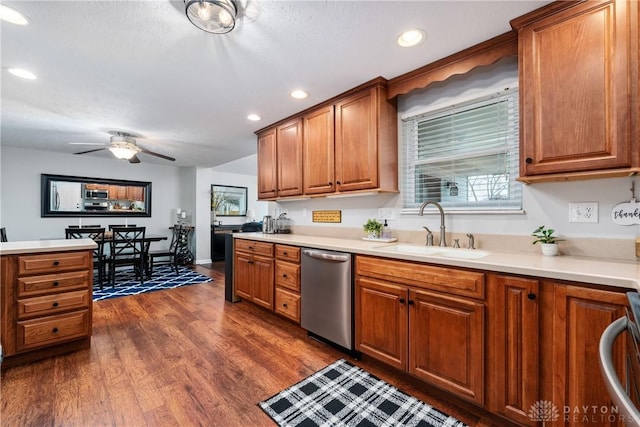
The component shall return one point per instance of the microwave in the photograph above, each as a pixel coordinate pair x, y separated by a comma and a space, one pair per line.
96, 194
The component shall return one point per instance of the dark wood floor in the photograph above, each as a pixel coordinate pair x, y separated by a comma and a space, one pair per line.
181, 357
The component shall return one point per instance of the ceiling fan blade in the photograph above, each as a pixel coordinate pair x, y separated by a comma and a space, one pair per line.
86, 143
134, 159
144, 150
91, 151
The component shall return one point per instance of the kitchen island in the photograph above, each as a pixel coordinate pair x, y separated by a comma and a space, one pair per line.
46, 292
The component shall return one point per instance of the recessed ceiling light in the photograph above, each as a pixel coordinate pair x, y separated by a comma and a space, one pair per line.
299, 94
412, 38
24, 74
254, 117
13, 16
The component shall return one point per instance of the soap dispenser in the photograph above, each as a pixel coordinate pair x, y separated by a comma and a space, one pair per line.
386, 232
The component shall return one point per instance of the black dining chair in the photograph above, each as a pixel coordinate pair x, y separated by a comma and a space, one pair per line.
97, 234
112, 226
168, 256
3, 235
127, 248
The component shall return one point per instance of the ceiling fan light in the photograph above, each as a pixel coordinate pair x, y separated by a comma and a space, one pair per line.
123, 153
212, 16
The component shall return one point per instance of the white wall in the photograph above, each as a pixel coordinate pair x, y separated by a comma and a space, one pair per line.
20, 190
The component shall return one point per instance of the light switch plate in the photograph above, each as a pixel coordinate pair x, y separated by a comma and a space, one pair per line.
385, 213
583, 212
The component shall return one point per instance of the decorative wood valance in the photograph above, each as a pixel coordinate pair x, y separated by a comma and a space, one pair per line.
482, 54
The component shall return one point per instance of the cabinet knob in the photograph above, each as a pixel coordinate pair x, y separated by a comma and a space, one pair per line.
56, 263
285, 253
330, 184
401, 300
411, 302
531, 296
249, 262
528, 160
338, 182
54, 330
284, 305
284, 275
56, 283
55, 304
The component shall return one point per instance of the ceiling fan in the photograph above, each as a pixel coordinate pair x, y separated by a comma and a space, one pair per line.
123, 146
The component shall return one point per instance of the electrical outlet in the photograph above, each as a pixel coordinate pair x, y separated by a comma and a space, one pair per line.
385, 213
583, 212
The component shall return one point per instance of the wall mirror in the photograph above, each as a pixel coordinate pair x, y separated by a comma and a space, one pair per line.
227, 200
83, 196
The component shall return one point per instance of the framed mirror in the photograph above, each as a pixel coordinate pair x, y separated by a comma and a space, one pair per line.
78, 196
228, 200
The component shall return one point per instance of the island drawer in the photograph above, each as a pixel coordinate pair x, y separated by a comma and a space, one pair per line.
253, 247
47, 284
52, 304
50, 330
449, 280
288, 253
54, 262
288, 275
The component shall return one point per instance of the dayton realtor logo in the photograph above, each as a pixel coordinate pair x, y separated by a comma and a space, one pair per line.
545, 410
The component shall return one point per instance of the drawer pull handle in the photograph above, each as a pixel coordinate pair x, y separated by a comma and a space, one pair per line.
55, 304
56, 283
56, 263
54, 330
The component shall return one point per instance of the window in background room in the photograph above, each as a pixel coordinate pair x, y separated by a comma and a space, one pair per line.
464, 156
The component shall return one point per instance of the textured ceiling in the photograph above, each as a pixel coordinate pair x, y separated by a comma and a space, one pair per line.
141, 66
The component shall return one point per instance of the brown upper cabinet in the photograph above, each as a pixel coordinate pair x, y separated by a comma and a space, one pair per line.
578, 66
348, 143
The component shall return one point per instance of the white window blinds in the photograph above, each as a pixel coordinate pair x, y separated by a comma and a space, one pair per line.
464, 156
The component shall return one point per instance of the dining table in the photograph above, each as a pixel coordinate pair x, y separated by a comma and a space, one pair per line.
147, 240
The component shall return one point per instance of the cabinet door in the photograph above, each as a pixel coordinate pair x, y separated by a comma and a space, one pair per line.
242, 272
513, 346
135, 193
580, 317
356, 142
446, 343
289, 154
575, 110
267, 171
262, 282
381, 321
318, 151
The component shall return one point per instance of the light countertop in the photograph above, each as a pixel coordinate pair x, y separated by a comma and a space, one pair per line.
625, 274
58, 245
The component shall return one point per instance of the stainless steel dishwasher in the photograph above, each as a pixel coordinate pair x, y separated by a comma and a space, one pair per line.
326, 293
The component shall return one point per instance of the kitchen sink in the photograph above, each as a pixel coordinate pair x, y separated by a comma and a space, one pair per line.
446, 252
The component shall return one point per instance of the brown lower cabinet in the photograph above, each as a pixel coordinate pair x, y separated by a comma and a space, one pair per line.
253, 272
515, 344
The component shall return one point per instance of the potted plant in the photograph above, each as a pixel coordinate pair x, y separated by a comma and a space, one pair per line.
548, 242
373, 228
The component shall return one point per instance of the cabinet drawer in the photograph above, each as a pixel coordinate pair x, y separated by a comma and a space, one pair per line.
288, 304
254, 247
450, 280
52, 304
50, 283
289, 253
51, 330
288, 275
54, 262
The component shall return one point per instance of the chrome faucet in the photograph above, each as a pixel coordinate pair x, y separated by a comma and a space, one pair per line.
443, 240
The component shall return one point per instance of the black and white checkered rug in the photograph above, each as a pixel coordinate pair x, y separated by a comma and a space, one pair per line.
344, 395
163, 278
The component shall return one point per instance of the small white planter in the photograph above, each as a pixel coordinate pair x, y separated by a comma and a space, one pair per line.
549, 249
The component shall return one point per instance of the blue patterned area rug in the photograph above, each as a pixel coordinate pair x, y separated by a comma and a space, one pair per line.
344, 395
164, 277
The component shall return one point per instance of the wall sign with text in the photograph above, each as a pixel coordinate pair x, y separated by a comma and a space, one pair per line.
627, 213
327, 216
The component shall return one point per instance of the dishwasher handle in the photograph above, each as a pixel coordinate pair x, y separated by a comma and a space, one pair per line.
327, 256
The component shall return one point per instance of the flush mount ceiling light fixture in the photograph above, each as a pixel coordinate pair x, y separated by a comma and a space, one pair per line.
412, 38
11, 15
122, 147
212, 16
